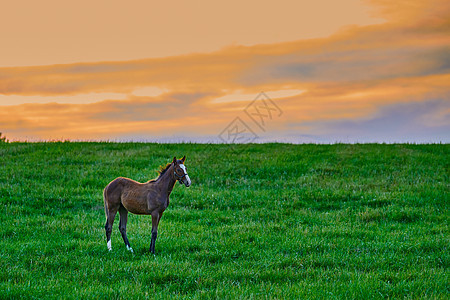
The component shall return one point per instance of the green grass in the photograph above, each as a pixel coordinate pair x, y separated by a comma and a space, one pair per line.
265, 221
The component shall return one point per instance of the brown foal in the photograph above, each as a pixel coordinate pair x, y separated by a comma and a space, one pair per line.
149, 198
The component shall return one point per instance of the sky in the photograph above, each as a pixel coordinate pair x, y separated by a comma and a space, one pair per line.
299, 71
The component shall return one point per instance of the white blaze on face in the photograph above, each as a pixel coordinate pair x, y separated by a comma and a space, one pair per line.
188, 180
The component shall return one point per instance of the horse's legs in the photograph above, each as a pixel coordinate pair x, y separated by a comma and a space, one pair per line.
123, 226
155, 221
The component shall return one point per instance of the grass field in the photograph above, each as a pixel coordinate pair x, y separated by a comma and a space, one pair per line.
265, 221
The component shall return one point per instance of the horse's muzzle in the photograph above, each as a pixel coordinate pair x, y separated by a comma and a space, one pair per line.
187, 181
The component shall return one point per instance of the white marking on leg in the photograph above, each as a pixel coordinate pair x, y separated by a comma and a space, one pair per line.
109, 245
129, 249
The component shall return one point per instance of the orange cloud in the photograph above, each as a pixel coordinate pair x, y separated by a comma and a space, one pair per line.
117, 31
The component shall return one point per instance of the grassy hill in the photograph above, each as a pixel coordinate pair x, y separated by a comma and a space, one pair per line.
268, 220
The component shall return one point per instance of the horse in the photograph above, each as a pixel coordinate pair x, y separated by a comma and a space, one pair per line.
150, 198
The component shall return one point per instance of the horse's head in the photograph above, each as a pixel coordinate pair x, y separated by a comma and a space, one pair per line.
180, 172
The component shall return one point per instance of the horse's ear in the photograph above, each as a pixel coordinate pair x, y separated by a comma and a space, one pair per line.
174, 160
183, 159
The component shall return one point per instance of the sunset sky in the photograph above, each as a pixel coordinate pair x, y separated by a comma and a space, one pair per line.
331, 71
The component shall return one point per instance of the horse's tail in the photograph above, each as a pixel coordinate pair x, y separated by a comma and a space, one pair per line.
105, 194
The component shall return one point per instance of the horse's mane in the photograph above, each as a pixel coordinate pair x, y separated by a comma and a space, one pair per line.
163, 169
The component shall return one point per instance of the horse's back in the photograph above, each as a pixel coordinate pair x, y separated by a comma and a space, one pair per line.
118, 184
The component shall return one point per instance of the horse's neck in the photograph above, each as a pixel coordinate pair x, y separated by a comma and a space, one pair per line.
167, 181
